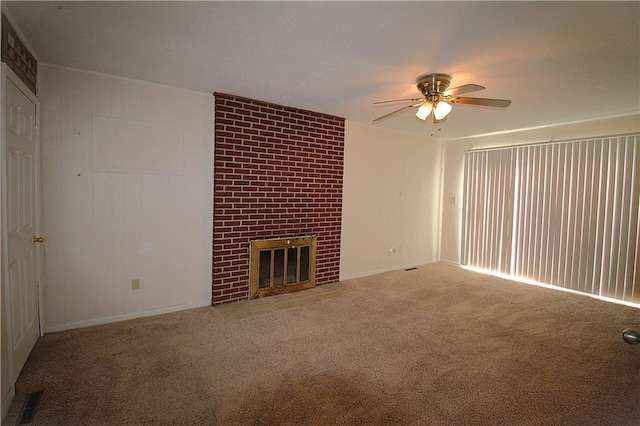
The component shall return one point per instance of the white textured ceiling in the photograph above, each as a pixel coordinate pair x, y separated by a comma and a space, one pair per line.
557, 61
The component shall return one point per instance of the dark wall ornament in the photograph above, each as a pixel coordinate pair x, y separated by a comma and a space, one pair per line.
17, 56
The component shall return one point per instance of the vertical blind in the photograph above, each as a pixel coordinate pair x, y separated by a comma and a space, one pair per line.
563, 213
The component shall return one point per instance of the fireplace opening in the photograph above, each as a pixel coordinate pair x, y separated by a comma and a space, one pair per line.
282, 265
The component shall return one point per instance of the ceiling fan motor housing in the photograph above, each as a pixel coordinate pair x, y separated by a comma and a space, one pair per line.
432, 85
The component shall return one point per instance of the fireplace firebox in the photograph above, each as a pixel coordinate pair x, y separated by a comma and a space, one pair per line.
282, 265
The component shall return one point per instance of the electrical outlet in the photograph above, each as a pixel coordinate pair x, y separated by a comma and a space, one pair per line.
135, 284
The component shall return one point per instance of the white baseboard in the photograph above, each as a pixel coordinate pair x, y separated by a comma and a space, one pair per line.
450, 262
127, 316
6, 401
389, 269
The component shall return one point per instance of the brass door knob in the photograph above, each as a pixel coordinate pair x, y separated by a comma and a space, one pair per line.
38, 240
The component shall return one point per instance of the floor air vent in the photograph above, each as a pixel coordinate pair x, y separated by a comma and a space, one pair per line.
29, 410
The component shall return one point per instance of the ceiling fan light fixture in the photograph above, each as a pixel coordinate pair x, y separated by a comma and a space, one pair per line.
441, 110
424, 111
437, 98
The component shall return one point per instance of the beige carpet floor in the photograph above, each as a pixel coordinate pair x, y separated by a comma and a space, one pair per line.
438, 345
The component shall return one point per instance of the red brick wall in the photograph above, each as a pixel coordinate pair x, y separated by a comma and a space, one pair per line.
277, 173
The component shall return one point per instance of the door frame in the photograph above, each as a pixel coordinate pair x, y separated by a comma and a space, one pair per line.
5, 307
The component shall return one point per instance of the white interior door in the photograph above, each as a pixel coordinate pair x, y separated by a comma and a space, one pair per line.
20, 215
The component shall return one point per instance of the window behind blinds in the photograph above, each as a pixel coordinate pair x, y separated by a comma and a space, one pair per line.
562, 213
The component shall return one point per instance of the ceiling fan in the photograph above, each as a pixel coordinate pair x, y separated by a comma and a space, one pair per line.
437, 98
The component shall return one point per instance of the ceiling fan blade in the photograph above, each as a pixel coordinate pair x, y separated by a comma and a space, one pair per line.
498, 103
398, 111
465, 88
397, 100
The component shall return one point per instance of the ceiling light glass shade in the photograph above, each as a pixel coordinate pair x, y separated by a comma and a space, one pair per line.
441, 110
424, 111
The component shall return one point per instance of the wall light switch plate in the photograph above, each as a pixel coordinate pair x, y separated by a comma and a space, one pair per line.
135, 284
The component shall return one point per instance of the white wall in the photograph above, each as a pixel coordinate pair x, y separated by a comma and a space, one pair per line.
112, 214
127, 185
454, 164
391, 200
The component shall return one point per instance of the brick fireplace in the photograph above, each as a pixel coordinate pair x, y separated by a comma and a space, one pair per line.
277, 174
